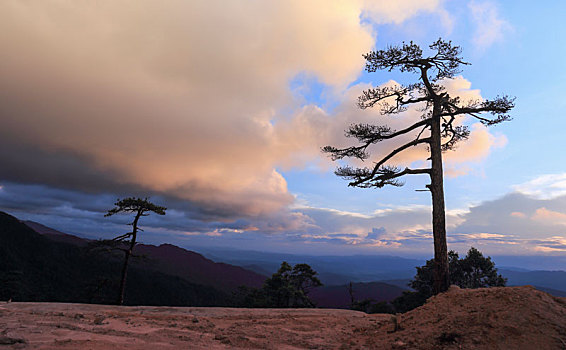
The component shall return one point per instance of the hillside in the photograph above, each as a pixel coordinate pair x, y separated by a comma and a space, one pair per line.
34, 268
195, 268
175, 261
496, 318
55, 235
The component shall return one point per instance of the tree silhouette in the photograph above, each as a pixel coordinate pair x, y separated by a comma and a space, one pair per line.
288, 287
438, 128
472, 271
476, 271
303, 279
139, 207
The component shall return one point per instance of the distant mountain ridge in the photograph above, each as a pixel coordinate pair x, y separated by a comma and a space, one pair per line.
332, 270
545, 280
251, 268
194, 267
340, 270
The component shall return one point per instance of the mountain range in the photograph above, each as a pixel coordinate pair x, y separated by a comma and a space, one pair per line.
393, 270
40, 263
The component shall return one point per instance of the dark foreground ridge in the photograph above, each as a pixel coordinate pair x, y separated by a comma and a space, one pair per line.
36, 268
495, 318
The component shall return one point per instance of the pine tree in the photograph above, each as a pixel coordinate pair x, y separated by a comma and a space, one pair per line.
438, 128
139, 207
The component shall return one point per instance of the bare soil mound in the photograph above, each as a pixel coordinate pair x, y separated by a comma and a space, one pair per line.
496, 318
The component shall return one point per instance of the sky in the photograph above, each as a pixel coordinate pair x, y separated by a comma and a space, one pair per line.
218, 110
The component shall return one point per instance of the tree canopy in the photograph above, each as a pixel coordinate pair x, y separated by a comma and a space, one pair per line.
135, 205
472, 271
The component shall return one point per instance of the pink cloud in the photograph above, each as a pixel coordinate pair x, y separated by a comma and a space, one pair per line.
549, 217
518, 214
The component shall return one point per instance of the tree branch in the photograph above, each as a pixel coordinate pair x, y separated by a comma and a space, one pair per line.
498, 107
424, 77
122, 237
369, 134
421, 132
379, 164
387, 175
458, 133
383, 180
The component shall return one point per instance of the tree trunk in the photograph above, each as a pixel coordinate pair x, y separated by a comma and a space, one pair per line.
123, 279
441, 273
127, 258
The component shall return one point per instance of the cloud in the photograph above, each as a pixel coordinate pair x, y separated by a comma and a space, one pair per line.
551, 245
513, 224
545, 186
383, 11
518, 214
183, 99
549, 216
82, 213
473, 150
480, 141
404, 229
376, 233
527, 223
190, 102
490, 28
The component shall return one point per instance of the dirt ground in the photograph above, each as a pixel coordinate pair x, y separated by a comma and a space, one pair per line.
496, 318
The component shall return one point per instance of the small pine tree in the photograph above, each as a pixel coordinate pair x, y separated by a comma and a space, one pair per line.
139, 207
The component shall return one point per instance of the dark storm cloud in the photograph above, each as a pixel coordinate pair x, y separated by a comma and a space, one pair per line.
32, 164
